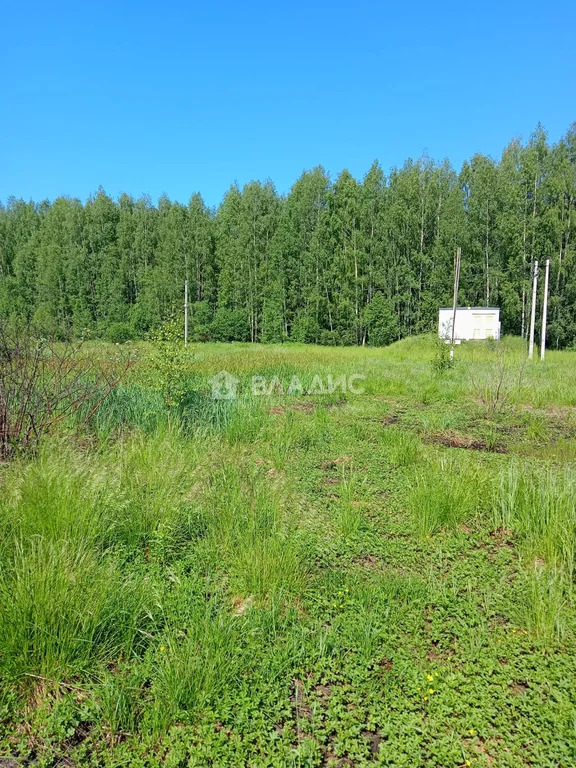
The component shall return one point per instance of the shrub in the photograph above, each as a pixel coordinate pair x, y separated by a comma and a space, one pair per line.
230, 325
381, 322
442, 358
43, 383
119, 333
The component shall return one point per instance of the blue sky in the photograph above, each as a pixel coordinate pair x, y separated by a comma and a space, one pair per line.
179, 97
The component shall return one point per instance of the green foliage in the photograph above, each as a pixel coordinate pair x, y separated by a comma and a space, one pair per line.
381, 322
45, 624
170, 372
346, 262
200, 321
119, 333
230, 325
541, 506
295, 580
441, 496
404, 448
443, 360
171, 330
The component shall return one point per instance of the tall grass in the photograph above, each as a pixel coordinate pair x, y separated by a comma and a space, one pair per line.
539, 504
64, 609
404, 448
134, 407
105, 553
165, 564
129, 407
195, 665
543, 602
444, 492
251, 530
59, 496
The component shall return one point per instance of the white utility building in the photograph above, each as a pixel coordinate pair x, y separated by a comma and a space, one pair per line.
471, 323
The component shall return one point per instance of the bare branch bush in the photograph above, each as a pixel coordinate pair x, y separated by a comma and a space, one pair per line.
496, 382
44, 382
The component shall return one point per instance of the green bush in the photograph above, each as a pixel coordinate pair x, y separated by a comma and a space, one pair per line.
381, 322
230, 325
442, 358
119, 333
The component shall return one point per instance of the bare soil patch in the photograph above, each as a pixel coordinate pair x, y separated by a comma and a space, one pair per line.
455, 440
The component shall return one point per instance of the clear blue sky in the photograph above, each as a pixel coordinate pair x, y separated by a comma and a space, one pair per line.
179, 97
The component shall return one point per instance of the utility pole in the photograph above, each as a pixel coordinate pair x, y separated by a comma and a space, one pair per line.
186, 313
545, 311
533, 312
456, 283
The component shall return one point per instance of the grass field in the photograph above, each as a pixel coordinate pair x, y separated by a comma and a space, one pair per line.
335, 579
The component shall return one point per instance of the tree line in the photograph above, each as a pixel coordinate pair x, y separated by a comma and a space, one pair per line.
331, 262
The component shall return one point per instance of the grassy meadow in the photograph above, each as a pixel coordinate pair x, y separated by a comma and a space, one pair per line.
337, 579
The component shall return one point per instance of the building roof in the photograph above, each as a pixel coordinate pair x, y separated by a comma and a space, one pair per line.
476, 309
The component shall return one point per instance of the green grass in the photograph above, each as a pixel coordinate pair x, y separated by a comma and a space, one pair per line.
315, 580
443, 494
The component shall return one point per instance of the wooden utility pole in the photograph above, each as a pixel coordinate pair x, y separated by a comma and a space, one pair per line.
533, 312
186, 313
456, 283
545, 311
